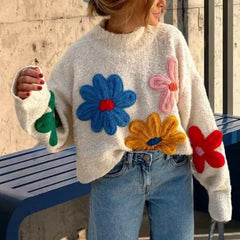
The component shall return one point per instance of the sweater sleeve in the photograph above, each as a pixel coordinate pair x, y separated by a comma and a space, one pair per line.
47, 114
209, 164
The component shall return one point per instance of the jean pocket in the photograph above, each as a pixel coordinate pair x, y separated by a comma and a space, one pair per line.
178, 160
118, 170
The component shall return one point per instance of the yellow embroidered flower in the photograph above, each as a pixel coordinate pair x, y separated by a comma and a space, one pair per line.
154, 135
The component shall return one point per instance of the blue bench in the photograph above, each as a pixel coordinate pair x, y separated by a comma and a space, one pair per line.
35, 179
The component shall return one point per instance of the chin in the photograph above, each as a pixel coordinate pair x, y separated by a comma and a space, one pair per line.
154, 23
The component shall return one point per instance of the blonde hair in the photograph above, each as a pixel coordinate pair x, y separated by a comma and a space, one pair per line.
110, 7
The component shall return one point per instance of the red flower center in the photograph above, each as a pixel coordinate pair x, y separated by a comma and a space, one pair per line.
199, 151
106, 105
173, 87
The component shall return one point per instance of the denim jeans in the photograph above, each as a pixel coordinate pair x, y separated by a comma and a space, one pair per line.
162, 182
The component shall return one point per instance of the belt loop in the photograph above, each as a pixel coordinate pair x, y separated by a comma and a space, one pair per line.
129, 159
149, 162
167, 157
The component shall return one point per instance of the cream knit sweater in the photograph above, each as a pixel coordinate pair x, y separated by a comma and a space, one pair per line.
128, 92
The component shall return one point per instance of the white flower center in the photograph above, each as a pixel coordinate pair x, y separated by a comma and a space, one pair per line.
199, 151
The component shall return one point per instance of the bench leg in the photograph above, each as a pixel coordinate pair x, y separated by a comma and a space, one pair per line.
221, 230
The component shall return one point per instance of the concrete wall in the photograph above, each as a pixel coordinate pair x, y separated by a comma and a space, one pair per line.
39, 32
196, 43
33, 32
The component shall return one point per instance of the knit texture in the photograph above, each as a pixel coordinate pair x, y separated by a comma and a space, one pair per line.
126, 92
49, 122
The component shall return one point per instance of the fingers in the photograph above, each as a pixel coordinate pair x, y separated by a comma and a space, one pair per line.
32, 72
30, 79
23, 95
28, 87
30, 76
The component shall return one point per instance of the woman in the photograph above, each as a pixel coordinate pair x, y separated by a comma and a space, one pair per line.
128, 95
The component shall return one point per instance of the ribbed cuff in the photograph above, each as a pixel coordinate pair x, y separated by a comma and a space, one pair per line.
220, 206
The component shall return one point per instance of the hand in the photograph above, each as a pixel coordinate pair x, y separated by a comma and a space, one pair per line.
30, 79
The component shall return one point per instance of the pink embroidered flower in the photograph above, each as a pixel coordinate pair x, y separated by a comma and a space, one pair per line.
167, 84
204, 149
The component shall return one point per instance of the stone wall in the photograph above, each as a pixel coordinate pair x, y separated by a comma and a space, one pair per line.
33, 32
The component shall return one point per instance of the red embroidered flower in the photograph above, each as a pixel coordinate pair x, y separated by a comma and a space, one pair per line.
204, 149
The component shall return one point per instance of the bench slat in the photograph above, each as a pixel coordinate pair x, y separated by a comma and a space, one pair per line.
24, 153
225, 117
230, 127
35, 162
226, 121
48, 188
70, 173
17, 163
39, 176
218, 118
36, 169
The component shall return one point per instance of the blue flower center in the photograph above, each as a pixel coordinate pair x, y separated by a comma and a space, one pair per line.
154, 141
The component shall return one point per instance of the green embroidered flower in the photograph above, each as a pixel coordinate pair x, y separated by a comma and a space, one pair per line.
49, 122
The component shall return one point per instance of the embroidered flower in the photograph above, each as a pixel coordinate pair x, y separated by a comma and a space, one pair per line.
104, 103
204, 149
168, 86
154, 135
49, 122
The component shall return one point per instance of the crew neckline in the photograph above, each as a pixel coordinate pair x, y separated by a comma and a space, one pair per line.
103, 25
123, 41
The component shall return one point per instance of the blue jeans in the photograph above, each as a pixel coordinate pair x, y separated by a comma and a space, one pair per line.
162, 182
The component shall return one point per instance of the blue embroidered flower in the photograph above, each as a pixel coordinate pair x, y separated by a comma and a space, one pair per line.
104, 103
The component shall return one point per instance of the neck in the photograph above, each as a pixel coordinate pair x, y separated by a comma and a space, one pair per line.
112, 25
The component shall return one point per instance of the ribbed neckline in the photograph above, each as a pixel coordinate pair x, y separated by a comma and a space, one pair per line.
123, 41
